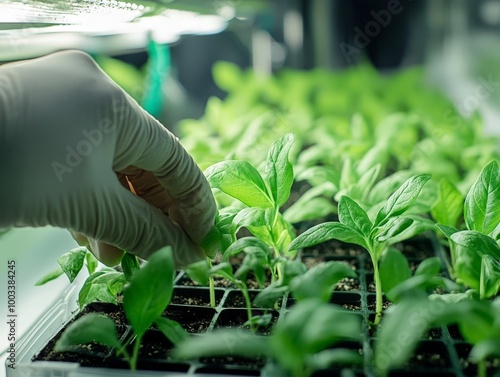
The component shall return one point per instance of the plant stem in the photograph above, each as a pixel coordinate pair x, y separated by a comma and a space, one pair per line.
248, 302
135, 352
482, 289
453, 258
211, 284
378, 291
481, 368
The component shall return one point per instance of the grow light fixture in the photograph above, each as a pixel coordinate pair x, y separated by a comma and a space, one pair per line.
33, 28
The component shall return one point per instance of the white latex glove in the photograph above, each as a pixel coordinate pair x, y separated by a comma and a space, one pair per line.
71, 144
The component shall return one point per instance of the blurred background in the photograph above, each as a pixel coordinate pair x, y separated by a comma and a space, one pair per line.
163, 52
455, 40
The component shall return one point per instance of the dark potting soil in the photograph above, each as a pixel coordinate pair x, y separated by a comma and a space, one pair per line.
247, 362
193, 319
91, 354
334, 248
195, 296
417, 247
469, 368
235, 318
348, 284
219, 282
430, 354
235, 299
313, 260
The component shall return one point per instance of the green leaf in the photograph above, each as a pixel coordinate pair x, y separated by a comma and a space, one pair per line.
312, 205
388, 184
90, 328
227, 75
222, 343
418, 285
367, 180
50, 276
352, 215
240, 180
130, 265
223, 269
248, 245
101, 286
291, 269
454, 298
482, 204
171, 329
478, 324
325, 232
448, 231
337, 356
429, 267
319, 281
485, 349
279, 171
402, 199
315, 325
72, 262
418, 226
394, 269
393, 228
268, 297
259, 320
449, 206
150, 291
254, 217
199, 272
212, 242
477, 242
402, 328
92, 262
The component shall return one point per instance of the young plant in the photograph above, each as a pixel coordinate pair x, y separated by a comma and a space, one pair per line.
318, 282
301, 343
447, 211
263, 195
388, 227
398, 281
257, 256
144, 301
103, 285
475, 252
405, 323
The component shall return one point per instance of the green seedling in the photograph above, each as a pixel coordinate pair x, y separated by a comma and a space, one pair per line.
103, 285
257, 256
318, 282
144, 301
398, 282
406, 322
447, 211
475, 252
390, 226
263, 196
301, 343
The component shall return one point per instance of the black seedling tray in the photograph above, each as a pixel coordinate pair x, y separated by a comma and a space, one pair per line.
443, 347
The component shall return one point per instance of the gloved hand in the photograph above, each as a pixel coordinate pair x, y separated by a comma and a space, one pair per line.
72, 143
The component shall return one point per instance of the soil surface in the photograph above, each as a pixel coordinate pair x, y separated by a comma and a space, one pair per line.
194, 320
91, 354
247, 362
